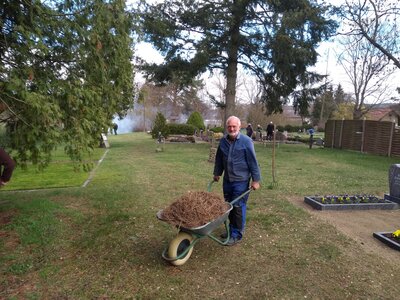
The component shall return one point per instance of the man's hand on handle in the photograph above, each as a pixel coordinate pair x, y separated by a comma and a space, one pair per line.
216, 178
255, 185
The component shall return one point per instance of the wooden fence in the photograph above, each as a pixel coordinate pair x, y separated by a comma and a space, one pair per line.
376, 137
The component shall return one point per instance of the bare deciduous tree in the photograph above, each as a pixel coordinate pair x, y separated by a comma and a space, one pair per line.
378, 22
247, 92
368, 70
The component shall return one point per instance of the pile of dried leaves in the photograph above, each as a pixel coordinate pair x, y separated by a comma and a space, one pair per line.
195, 209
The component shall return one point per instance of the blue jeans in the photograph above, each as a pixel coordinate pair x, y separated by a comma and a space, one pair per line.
237, 216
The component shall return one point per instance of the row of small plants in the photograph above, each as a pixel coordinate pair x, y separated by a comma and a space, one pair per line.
348, 199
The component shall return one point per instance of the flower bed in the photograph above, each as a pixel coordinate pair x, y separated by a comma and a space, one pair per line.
349, 202
389, 239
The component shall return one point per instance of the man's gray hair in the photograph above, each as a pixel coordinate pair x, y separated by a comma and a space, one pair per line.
233, 118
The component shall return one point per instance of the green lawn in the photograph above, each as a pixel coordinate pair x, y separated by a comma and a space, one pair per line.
104, 241
60, 173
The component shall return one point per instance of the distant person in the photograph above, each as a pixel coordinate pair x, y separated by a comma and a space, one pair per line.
115, 127
311, 133
7, 166
249, 131
270, 131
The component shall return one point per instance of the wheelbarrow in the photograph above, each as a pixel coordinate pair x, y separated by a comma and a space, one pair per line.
181, 246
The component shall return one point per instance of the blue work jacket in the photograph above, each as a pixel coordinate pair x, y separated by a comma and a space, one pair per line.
237, 159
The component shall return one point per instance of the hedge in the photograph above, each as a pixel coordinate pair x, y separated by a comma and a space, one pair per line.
217, 129
180, 129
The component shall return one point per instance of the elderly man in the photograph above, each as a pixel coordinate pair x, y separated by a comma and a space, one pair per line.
236, 159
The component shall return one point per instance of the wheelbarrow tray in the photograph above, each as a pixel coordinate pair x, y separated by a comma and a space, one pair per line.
207, 228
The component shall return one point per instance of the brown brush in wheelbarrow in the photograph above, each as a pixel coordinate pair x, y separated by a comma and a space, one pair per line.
194, 209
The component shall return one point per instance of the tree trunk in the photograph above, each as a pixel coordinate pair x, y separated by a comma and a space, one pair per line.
238, 12
357, 114
230, 92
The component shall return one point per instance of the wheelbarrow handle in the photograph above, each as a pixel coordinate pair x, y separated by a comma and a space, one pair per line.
234, 200
210, 185
240, 197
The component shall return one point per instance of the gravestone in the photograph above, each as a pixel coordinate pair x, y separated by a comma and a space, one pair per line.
104, 141
160, 142
394, 184
319, 142
394, 180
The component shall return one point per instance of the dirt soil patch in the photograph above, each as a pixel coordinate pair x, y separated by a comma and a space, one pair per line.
6, 216
360, 225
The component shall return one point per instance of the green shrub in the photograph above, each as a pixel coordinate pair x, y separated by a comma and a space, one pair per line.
296, 128
187, 129
160, 125
298, 138
307, 126
217, 129
196, 120
280, 128
289, 128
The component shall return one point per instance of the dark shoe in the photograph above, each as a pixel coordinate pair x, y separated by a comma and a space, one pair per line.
224, 235
232, 241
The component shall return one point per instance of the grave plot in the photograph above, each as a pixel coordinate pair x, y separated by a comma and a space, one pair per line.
362, 201
392, 239
349, 202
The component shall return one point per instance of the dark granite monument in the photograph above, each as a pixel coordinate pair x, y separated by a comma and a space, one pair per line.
394, 184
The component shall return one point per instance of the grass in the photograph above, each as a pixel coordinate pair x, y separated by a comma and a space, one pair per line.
60, 173
104, 241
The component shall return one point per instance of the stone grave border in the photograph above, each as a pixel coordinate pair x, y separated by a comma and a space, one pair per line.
392, 198
383, 238
350, 206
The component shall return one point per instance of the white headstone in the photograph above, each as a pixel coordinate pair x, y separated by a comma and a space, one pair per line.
104, 141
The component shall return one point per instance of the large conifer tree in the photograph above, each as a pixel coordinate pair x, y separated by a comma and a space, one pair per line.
274, 40
65, 71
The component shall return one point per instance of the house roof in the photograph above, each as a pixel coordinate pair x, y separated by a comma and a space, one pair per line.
288, 112
379, 113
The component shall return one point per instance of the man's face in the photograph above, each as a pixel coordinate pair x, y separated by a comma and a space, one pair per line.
233, 128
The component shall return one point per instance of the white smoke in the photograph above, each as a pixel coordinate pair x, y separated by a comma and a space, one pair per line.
126, 124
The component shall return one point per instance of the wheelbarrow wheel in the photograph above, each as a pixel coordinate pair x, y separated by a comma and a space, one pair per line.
178, 245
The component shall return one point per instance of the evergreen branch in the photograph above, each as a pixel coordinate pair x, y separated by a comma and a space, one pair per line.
14, 113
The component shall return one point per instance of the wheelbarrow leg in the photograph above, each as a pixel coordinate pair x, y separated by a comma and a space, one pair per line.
228, 235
